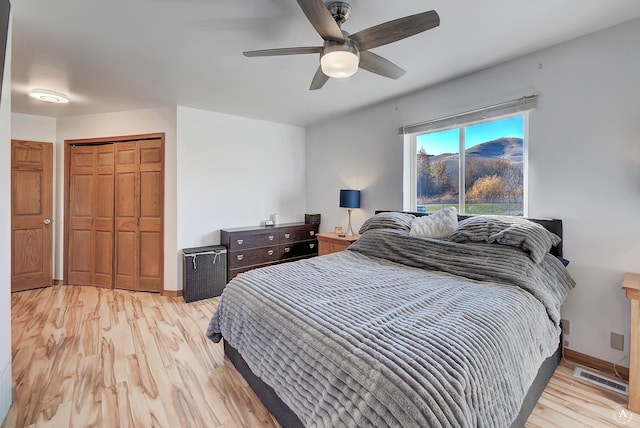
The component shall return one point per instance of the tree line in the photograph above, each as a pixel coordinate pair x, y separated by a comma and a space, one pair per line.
485, 179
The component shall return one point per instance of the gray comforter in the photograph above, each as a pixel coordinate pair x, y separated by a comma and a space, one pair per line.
398, 331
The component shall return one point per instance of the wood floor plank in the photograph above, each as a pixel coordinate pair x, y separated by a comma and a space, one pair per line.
147, 407
62, 418
124, 413
146, 344
86, 409
92, 357
171, 398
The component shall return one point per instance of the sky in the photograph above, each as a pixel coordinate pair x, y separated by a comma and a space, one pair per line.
448, 141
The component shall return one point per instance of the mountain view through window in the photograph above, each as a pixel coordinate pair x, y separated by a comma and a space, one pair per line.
492, 163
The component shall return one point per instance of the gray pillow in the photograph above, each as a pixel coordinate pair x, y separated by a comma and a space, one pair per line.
389, 220
517, 232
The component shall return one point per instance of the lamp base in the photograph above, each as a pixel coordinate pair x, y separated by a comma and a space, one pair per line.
349, 231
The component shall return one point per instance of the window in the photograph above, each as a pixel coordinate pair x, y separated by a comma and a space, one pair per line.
478, 168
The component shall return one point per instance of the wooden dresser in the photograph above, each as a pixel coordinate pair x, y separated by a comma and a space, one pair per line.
252, 247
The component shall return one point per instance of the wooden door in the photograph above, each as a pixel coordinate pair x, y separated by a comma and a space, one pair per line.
31, 209
90, 215
139, 224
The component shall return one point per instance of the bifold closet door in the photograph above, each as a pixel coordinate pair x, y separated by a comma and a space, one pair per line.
139, 240
91, 210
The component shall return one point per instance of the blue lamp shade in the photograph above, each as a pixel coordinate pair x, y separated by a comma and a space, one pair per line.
349, 198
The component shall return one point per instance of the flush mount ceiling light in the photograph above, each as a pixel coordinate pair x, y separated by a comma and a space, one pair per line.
339, 59
49, 96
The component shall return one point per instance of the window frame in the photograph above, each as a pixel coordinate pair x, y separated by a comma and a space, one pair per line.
409, 197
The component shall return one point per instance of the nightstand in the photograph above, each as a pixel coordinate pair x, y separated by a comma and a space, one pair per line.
332, 243
631, 284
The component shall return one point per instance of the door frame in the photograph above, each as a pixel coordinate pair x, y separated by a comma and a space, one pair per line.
67, 181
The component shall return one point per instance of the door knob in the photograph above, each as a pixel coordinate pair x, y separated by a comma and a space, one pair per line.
47, 221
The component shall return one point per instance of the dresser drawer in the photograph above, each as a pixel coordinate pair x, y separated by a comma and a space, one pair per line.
333, 247
234, 272
298, 234
254, 256
332, 243
252, 240
254, 247
299, 249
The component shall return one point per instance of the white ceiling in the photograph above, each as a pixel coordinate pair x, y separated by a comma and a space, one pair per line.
115, 55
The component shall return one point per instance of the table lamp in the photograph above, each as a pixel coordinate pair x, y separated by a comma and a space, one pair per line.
349, 199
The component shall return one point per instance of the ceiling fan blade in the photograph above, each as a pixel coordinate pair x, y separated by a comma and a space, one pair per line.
318, 80
395, 30
321, 19
284, 51
379, 65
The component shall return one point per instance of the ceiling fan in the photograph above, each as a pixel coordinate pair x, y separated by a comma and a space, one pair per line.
342, 53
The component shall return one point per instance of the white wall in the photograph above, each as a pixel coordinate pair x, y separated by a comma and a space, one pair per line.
235, 172
220, 171
118, 124
5, 243
360, 151
584, 162
33, 128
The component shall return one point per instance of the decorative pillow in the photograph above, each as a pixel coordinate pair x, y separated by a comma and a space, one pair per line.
388, 220
439, 225
521, 233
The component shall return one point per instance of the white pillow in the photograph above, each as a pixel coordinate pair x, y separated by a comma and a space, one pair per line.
439, 225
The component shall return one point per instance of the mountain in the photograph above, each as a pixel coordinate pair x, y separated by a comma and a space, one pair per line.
508, 148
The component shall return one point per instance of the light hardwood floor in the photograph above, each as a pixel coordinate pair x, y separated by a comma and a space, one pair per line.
89, 357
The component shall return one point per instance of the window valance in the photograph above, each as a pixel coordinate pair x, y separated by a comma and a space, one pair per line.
525, 103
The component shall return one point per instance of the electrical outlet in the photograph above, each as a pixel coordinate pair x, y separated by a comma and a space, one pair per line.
566, 327
617, 341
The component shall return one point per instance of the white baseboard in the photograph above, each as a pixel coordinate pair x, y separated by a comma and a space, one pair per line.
6, 387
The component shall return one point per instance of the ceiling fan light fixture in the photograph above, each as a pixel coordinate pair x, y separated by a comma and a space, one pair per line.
340, 61
49, 96
342, 53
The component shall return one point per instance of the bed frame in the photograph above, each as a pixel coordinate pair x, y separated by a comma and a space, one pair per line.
287, 419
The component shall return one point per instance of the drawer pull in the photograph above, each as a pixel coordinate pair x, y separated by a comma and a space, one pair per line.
312, 232
270, 237
240, 241
312, 246
240, 256
287, 235
287, 249
270, 252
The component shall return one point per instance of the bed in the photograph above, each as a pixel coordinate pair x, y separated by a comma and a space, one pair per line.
402, 330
